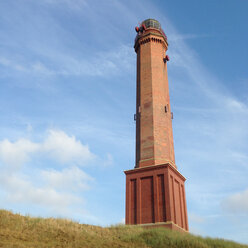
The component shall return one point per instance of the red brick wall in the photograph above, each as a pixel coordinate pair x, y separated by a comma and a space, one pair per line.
155, 194
133, 200
154, 138
147, 200
161, 198
177, 199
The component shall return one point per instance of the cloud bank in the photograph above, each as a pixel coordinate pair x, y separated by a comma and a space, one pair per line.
58, 190
57, 145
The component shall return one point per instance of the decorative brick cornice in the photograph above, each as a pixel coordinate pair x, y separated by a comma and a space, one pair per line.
155, 167
145, 38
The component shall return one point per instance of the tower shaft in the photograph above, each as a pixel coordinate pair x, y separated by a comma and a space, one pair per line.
154, 138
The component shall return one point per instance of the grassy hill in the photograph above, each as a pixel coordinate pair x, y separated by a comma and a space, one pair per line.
20, 231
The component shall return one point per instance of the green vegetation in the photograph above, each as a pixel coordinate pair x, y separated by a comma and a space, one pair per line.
19, 231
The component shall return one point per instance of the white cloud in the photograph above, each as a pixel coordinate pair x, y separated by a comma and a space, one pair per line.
235, 105
176, 37
16, 153
236, 203
38, 67
109, 160
66, 149
9, 63
57, 145
101, 64
68, 179
22, 190
59, 191
53, 191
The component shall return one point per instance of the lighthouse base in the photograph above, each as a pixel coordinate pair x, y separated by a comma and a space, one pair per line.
155, 196
168, 224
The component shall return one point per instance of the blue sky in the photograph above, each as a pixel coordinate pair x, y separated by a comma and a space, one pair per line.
67, 99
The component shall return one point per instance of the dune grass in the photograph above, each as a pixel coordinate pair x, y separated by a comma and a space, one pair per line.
23, 231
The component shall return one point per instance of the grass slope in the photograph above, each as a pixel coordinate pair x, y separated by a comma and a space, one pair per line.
19, 231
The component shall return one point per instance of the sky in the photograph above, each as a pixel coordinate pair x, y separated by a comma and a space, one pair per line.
67, 99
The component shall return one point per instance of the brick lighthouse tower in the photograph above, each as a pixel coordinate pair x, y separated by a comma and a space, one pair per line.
155, 193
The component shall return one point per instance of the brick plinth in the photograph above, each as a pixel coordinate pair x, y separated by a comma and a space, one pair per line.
155, 195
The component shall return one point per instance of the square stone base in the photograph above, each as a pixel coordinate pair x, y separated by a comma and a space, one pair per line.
168, 224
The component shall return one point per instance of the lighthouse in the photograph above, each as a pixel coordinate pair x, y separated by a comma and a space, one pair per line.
155, 190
